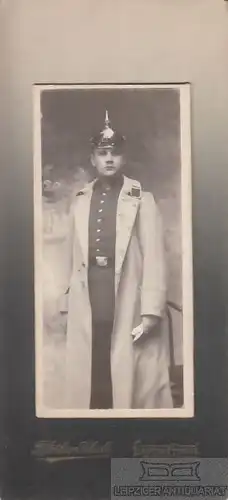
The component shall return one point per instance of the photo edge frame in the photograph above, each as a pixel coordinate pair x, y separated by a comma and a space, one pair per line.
188, 410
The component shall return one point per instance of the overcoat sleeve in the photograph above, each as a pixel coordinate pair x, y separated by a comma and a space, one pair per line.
153, 288
67, 262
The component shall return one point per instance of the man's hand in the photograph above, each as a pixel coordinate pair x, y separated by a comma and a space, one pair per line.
149, 322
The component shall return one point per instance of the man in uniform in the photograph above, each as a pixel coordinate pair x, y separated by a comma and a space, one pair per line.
115, 282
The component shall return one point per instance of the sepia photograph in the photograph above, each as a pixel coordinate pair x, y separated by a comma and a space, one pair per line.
113, 251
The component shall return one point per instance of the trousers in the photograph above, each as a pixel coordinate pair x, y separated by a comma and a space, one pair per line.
102, 300
101, 382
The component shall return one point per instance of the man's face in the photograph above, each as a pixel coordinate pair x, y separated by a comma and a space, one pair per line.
107, 161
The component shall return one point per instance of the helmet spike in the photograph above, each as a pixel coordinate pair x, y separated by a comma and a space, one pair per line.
107, 121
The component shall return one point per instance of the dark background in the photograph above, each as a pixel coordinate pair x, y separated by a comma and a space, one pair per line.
77, 42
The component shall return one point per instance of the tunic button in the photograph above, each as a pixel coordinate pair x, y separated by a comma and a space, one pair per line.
101, 210
104, 194
98, 230
99, 220
98, 239
98, 250
102, 201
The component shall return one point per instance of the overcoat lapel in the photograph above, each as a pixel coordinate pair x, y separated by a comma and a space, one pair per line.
126, 213
82, 211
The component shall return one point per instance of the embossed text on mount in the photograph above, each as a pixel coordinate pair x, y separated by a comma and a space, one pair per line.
143, 450
46, 449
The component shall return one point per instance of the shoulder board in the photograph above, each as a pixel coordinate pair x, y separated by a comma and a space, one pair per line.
135, 191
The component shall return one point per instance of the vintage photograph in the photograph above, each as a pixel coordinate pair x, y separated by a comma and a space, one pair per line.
113, 251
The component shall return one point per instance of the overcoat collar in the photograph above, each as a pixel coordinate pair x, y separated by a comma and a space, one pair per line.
128, 203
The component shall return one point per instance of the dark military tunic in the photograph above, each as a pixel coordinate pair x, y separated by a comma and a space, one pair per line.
101, 280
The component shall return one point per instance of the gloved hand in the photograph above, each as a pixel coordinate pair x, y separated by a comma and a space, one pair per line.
150, 325
149, 322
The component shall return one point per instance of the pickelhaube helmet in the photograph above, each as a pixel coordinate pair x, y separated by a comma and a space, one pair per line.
107, 138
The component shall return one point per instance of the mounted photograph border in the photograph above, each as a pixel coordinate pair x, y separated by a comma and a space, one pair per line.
76, 42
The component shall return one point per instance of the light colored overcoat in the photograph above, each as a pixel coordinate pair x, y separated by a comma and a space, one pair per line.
139, 373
